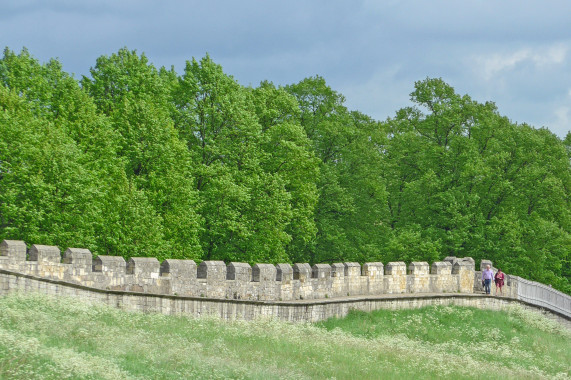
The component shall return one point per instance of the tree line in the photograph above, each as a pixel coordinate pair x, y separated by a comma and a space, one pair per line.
135, 160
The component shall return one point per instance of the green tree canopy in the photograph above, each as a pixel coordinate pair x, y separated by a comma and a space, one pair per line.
474, 184
138, 161
133, 95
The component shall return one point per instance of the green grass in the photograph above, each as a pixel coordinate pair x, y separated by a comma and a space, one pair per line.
60, 338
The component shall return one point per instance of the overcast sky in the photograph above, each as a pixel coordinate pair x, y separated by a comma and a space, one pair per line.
514, 53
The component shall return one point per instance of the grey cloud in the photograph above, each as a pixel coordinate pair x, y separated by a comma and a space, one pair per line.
371, 51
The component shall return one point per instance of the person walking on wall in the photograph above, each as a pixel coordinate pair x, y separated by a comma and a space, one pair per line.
487, 276
499, 280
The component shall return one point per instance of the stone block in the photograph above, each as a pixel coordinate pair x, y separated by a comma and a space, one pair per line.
464, 268
373, 270
441, 267
45, 254
110, 265
395, 277
301, 272
239, 271
143, 267
264, 273
338, 270
284, 273
352, 270
321, 271
14, 249
462, 265
79, 258
182, 276
418, 268
395, 268
179, 269
418, 280
212, 270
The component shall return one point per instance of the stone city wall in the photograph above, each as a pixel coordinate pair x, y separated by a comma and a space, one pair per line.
290, 311
287, 292
240, 281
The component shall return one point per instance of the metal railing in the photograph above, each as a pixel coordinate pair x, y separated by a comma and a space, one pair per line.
544, 296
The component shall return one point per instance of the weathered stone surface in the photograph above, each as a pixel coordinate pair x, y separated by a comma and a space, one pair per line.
355, 283
395, 277
79, 264
144, 267
110, 272
239, 281
110, 265
441, 267
418, 268
212, 270
338, 270
13, 249
264, 273
45, 253
284, 273
464, 268
352, 269
213, 279
78, 257
373, 270
301, 272
441, 279
143, 275
179, 269
466, 263
451, 259
290, 311
395, 268
321, 271
239, 272
182, 275
418, 280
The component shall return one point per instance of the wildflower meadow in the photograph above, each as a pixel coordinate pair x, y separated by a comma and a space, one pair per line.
60, 338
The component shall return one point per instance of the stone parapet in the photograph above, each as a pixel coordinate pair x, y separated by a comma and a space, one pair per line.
216, 279
238, 290
291, 311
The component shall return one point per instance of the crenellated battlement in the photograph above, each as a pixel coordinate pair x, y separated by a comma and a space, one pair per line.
298, 292
216, 279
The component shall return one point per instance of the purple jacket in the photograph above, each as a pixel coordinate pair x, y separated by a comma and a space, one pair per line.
487, 274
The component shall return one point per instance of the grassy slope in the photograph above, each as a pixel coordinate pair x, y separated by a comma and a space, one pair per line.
45, 338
